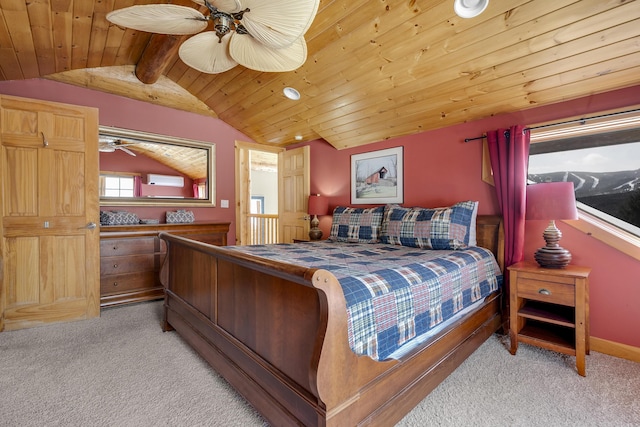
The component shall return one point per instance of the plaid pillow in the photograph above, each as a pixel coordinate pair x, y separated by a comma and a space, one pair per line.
356, 225
439, 228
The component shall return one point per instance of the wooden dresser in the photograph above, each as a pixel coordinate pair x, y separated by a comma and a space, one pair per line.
131, 257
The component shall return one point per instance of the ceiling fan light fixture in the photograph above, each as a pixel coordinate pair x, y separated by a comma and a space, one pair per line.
291, 93
469, 8
222, 24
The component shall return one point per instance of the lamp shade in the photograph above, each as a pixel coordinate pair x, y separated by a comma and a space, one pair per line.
318, 205
551, 201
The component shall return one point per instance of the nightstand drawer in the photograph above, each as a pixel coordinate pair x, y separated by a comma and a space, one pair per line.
546, 291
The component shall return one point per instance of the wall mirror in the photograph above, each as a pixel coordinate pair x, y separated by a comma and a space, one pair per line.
140, 168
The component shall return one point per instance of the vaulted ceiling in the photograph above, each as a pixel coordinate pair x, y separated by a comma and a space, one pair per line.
375, 69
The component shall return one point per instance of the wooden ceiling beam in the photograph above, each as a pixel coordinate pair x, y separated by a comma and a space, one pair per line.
159, 53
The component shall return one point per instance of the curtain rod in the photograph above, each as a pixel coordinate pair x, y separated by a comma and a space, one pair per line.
583, 120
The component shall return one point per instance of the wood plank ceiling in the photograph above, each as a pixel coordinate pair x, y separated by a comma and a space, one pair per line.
376, 69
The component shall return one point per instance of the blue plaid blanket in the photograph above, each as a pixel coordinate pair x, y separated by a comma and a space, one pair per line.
394, 293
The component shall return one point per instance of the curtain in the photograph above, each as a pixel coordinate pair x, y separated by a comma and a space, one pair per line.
137, 186
509, 153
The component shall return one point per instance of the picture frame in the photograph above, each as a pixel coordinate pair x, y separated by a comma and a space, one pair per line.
377, 177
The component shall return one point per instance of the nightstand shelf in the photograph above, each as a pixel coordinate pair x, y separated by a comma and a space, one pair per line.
551, 337
549, 308
550, 313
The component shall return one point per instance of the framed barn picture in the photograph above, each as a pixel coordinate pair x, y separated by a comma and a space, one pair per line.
376, 177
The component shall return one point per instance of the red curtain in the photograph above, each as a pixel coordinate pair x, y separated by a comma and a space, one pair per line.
137, 186
509, 152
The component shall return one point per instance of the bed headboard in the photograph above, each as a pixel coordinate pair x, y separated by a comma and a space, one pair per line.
490, 235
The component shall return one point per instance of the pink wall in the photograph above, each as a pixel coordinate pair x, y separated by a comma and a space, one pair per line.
126, 113
440, 169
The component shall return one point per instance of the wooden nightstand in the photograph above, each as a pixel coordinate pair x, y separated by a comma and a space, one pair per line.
549, 308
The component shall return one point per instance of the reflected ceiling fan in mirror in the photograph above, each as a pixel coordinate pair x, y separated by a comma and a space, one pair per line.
261, 35
110, 145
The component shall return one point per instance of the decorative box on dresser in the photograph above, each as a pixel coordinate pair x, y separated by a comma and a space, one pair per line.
549, 308
131, 257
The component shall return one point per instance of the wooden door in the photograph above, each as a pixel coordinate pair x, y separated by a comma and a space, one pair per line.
243, 194
50, 242
294, 187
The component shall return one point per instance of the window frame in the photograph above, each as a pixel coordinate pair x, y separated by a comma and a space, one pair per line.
119, 176
595, 123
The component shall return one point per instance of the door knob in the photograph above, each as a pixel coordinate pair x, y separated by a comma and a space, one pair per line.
91, 225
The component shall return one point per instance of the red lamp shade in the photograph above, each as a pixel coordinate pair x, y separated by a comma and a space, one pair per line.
318, 205
550, 201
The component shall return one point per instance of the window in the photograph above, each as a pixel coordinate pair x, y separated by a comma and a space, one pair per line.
116, 186
602, 158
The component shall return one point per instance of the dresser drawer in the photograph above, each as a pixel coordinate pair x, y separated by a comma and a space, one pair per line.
116, 247
110, 266
128, 282
546, 291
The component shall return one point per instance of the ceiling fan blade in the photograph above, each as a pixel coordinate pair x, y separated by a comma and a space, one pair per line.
252, 54
160, 18
229, 6
279, 24
106, 148
126, 150
204, 53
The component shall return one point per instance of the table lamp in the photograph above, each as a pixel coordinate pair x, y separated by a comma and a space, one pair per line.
551, 201
318, 205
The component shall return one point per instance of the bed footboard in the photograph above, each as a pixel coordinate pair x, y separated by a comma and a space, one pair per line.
278, 334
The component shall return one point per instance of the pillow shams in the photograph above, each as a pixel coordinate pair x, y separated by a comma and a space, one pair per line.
356, 225
439, 228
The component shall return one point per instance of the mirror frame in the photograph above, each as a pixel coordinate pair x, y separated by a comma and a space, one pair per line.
168, 140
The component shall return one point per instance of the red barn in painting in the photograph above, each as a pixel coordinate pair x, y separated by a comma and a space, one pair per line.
375, 177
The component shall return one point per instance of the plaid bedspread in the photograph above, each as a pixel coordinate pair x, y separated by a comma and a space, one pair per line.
394, 293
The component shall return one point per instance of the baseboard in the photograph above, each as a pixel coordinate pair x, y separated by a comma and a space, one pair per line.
615, 349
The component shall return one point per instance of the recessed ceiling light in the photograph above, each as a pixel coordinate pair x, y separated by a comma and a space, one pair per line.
469, 8
291, 93
298, 137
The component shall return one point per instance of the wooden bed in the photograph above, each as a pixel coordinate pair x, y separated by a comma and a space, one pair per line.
278, 334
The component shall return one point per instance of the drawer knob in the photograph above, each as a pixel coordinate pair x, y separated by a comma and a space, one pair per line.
544, 291
115, 265
115, 283
115, 248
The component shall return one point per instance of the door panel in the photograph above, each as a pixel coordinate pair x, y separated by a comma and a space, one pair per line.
20, 181
49, 167
22, 285
294, 184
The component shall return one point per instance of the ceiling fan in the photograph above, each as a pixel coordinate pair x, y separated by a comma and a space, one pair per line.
257, 34
110, 145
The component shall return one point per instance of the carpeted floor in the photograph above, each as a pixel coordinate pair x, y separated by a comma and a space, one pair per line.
122, 370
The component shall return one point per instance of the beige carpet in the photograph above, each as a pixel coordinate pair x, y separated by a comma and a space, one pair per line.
122, 370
